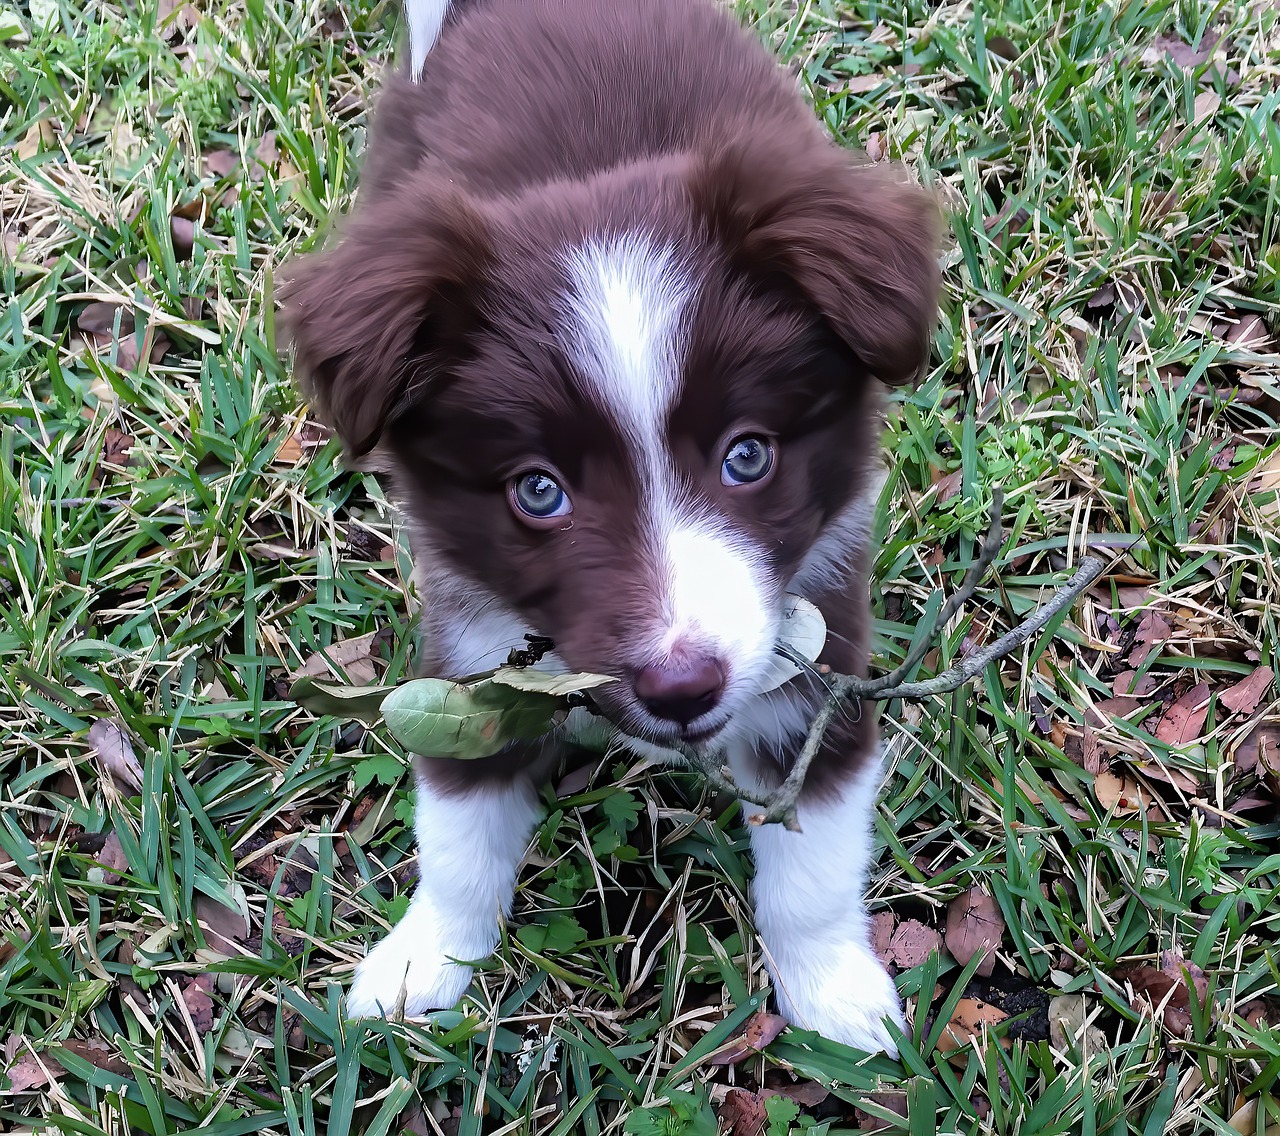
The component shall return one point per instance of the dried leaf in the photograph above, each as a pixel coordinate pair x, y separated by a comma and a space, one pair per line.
947, 486
182, 232
966, 1024
761, 1029
197, 997
882, 935
1249, 333
914, 942
32, 1071
974, 924
862, 84
115, 752
1069, 1026
1243, 697
1119, 794
224, 930
1183, 721
356, 656
1206, 106
1262, 740
1090, 750
1167, 991
893, 1102
1181, 52
98, 1053
112, 859
220, 163
810, 1094
39, 137
1104, 297
742, 1114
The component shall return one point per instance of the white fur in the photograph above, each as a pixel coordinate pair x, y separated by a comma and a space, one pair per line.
625, 321
425, 19
811, 916
715, 596
469, 848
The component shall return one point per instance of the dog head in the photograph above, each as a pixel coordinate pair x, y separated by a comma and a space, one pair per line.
632, 411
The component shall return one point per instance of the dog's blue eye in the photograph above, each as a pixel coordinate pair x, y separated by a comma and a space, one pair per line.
748, 459
539, 496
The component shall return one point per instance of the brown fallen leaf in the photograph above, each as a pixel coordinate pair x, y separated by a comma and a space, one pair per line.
220, 163
1184, 783
1183, 721
893, 1102
355, 656
1070, 1028
946, 486
31, 1071
742, 1113
1166, 990
224, 930
182, 232
115, 753
1249, 332
108, 328
912, 943
1130, 683
760, 1030
39, 137
974, 924
1264, 737
97, 1053
1243, 697
197, 997
173, 17
116, 448
290, 452
808, 1094
882, 923
967, 1023
1090, 750
1120, 794
1180, 52
112, 859
1100, 713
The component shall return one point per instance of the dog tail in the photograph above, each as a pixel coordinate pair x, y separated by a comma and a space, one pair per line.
425, 19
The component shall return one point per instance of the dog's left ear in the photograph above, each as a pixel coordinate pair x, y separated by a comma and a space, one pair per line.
859, 244
367, 317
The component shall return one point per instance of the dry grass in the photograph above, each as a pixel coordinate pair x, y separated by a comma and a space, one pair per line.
175, 539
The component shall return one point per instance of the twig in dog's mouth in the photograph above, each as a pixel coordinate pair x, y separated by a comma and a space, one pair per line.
779, 806
476, 717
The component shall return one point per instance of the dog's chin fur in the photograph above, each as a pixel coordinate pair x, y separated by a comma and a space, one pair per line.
604, 240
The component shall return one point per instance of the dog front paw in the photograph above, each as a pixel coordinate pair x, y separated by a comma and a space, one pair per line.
843, 992
406, 973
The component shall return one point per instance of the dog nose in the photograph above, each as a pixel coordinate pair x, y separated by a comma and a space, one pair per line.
682, 688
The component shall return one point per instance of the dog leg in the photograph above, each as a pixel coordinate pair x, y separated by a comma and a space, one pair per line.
470, 843
811, 916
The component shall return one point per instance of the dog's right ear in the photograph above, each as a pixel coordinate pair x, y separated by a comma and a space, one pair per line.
364, 316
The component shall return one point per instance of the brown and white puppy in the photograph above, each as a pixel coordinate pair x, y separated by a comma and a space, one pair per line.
617, 312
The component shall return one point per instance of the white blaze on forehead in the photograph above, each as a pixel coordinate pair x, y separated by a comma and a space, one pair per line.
625, 327
626, 313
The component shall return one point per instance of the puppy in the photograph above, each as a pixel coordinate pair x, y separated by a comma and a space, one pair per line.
617, 314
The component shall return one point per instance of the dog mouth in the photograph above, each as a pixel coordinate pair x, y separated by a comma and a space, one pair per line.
633, 721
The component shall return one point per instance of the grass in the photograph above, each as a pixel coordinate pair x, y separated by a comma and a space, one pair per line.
176, 539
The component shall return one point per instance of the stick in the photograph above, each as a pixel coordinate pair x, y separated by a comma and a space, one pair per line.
779, 806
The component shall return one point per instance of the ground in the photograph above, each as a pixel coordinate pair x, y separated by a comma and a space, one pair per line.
192, 864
